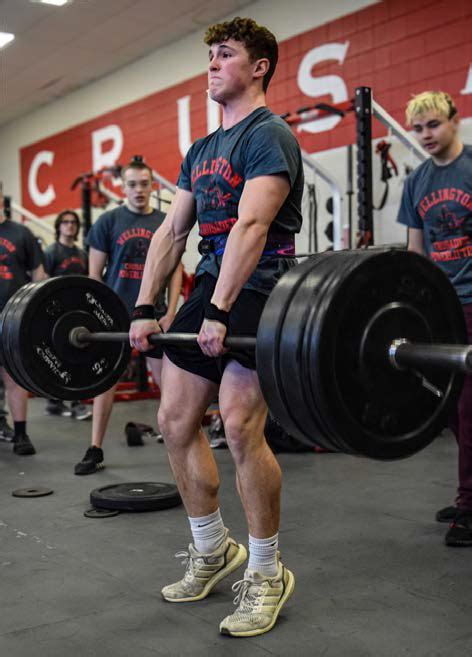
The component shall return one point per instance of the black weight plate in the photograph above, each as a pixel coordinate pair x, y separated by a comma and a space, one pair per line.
4, 324
379, 411
14, 344
36, 491
141, 496
336, 267
9, 333
101, 513
271, 374
48, 360
316, 303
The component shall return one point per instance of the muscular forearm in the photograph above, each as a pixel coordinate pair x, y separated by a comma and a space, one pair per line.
242, 253
173, 291
165, 252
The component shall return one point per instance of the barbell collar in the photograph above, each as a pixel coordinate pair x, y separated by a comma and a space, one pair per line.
452, 357
80, 337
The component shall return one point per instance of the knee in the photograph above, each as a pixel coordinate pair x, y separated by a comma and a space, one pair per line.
242, 434
172, 427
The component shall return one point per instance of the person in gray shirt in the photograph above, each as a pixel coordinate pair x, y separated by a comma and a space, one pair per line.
436, 207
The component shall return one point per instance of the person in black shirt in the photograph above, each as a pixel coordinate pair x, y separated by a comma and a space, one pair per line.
64, 257
20, 262
61, 258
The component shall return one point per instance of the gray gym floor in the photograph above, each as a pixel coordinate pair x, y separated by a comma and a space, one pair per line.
373, 577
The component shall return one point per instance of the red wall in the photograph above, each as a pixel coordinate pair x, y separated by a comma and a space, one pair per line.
398, 47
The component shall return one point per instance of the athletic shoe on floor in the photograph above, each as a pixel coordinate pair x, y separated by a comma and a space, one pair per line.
23, 446
92, 462
216, 433
460, 531
259, 599
57, 407
448, 514
204, 571
218, 442
80, 412
6, 432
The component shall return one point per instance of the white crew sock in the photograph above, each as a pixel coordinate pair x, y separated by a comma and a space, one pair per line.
208, 532
263, 555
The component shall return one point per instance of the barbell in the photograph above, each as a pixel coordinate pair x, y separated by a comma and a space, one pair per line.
361, 352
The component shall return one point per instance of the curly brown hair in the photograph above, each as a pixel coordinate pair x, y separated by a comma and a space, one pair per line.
258, 41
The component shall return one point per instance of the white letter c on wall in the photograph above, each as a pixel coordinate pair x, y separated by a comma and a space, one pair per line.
39, 198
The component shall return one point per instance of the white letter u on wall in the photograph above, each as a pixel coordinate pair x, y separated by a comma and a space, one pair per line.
183, 115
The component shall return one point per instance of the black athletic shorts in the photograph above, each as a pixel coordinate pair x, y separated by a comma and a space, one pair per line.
243, 320
157, 351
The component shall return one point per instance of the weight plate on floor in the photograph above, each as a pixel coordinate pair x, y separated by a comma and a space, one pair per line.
101, 513
141, 496
37, 491
40, 327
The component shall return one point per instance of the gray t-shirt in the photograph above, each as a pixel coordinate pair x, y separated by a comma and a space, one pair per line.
125, 237
215, 170
438, 201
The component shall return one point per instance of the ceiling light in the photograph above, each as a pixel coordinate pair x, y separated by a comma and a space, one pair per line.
5, 37
56, 3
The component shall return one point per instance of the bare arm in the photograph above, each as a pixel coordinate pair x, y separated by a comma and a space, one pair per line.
173, 293
260, 202
38, 274
97, 262
165, 252
415, 240
167, 246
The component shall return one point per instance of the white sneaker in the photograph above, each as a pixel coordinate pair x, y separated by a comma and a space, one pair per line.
204, 571
259, 599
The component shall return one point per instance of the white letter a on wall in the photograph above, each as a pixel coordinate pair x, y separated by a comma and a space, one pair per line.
468, 85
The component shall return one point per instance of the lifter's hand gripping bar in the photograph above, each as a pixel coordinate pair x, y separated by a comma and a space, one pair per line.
80, 337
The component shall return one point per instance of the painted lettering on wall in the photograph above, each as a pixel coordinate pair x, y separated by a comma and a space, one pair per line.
368, 47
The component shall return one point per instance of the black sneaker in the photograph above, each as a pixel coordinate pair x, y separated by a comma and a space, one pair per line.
448, 514
6, 432
57, 407
460, 531
80, 411
92, 462
23, 446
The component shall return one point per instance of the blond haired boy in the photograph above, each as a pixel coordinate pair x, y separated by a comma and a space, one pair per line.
436, 207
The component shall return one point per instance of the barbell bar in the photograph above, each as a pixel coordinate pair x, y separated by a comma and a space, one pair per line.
81, 337
361, 352
455, 358
401, 352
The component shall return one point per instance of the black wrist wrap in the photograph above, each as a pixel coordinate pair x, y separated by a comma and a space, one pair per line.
214, 314
145, 311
